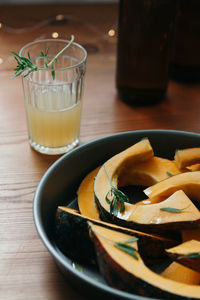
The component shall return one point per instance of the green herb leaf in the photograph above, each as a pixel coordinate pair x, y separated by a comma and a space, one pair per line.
173, 210
53, 72
127, 248
115, 198
170, 174
194, 255
26, 66
134, 239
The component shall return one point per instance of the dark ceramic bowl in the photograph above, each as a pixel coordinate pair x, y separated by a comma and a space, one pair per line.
59, 185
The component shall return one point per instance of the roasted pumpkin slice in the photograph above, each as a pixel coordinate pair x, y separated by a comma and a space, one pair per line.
174, 213
187, 157
72, 237
112, 169
145, 173
86, 202
148, 172
187, 254
189, 182
122, 266
180, 273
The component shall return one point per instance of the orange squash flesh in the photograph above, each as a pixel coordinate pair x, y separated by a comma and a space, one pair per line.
154, 170
183, 254
148, 201
153, 214
86, 202
141, 151
193, 168
189, 182
125, 272
180, 273
187, 157
148, 172
73, 238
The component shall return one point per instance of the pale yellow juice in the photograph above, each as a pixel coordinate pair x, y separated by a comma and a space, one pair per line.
53, 118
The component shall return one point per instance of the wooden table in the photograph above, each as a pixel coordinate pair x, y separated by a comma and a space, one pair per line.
27, 271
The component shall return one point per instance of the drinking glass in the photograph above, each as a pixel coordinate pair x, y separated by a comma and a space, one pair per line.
53, 95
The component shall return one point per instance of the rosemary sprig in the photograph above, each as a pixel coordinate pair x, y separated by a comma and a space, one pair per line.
115, 198
194, 255
173, 210
134, 239
26, 65
170, 174
127, 248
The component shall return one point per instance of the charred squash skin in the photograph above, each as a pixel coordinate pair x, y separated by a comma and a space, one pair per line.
165, 229
119, 278
73, 239
122, 280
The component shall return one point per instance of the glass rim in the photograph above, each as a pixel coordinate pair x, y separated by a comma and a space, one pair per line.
57, 40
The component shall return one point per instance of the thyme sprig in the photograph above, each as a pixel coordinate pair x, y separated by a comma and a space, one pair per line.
26, 66
115, 198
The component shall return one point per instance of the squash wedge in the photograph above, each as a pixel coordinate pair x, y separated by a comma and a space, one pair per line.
86, 202
112, 168
175, 213
125, 272
72, 237
189, 182
187, 157
154, 170
180, 273
187, 254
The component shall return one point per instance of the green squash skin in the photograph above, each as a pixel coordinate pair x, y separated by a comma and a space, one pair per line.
165, 229
73, 239
119, 278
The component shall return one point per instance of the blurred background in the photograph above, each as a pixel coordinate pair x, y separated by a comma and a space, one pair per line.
54, 1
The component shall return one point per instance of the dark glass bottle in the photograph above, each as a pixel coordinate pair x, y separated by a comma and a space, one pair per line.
144, 33
185, 59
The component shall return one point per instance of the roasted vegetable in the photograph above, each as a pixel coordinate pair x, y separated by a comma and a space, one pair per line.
189, 182
127, 272
72, 237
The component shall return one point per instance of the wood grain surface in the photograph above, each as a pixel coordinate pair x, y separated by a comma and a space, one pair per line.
27, 271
